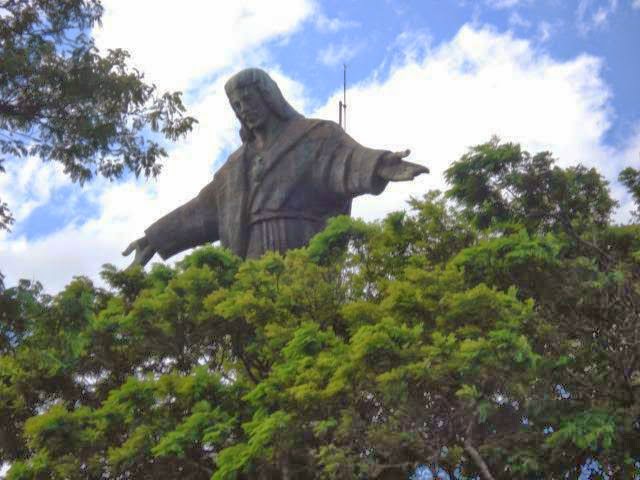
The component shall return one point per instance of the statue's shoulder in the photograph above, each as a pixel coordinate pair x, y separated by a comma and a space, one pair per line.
320, 128
233, 162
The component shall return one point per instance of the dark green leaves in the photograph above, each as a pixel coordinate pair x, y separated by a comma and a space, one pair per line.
420, 339
500, 184
63, 100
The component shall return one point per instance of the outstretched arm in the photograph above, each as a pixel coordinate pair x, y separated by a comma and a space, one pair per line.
351, 169
194, 223
394, 169
144, 251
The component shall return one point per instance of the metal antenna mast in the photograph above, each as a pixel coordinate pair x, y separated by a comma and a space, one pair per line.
342, 105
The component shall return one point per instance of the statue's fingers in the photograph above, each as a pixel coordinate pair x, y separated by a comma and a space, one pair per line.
414, 168
135, 262
417, 170
403, 153
411, 170
130, 248
403, 172
146, 255
422, 169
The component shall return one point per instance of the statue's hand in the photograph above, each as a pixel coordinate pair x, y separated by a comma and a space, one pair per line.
394, 169
144, 251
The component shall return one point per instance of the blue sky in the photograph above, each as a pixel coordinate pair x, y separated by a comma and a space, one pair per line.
565, 29
435, 76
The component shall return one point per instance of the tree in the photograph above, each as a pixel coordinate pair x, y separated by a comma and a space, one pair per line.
587, 299
499, 343
630, 178
62, 100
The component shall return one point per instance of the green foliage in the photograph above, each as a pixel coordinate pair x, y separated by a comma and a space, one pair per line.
420, 339
589, 431
499, 184
630, 178
516, 259
63, 100
336, 237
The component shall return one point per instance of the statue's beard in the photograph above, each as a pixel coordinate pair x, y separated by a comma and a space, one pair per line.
254, 123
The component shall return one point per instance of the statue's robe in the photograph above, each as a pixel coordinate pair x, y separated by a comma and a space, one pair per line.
276, 199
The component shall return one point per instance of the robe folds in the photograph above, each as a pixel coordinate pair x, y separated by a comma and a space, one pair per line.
276, 199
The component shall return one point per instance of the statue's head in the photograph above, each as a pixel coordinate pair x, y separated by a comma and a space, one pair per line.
255, 97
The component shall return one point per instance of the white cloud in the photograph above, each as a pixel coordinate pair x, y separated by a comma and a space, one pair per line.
502, 4
436, 100
410, 46
176, 44
594, 14
479, 84
517, 20
325, 24
635, 4
333, 54
545, 30
28, 184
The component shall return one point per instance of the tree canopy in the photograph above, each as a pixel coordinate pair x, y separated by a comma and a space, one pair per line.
490, 331
630, 177
63, 100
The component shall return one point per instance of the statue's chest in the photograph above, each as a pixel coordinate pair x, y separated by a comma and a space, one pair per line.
255, 168
273, 181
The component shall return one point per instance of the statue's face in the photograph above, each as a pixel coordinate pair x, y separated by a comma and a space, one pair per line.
249, 106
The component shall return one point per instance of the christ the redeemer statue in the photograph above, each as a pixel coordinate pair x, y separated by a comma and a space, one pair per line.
279, 188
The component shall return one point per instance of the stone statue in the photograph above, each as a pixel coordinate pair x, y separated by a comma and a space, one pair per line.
279, 188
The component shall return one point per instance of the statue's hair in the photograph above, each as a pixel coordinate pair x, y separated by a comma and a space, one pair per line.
269, 91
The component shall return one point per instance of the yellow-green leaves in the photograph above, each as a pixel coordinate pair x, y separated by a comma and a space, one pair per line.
589, 431
382, 346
